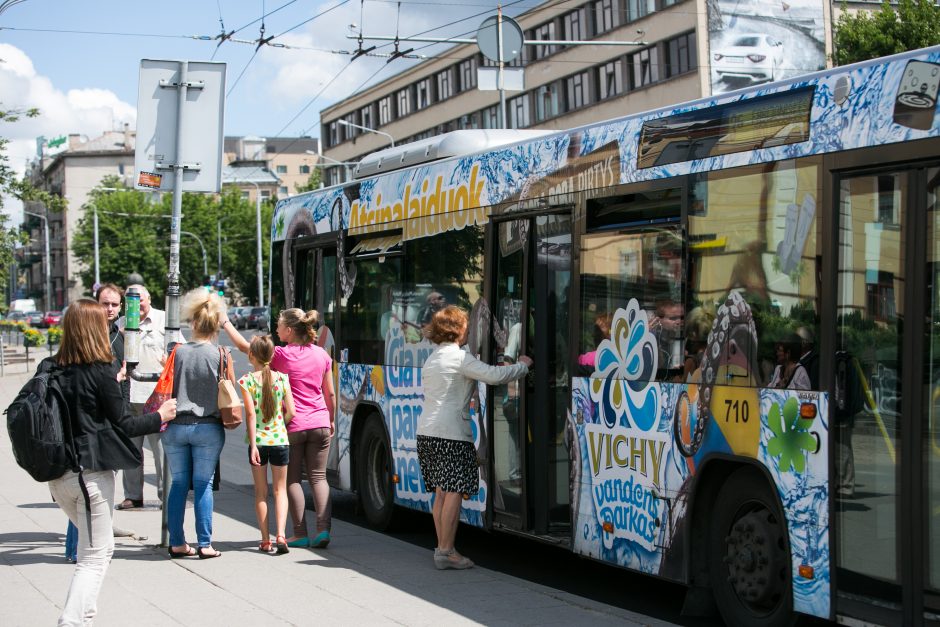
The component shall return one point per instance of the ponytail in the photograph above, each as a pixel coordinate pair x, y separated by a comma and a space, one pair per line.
268, 404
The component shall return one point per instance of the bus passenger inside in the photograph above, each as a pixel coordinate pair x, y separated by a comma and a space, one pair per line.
667, 326
790, 373
602, 322
697, 327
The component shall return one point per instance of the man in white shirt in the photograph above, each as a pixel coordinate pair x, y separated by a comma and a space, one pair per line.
152, 356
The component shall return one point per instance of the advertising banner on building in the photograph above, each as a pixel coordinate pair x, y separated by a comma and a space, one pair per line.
758, 42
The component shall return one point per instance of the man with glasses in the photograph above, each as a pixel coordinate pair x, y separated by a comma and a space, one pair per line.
152, 356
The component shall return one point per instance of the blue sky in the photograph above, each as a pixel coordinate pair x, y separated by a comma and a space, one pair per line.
87, 83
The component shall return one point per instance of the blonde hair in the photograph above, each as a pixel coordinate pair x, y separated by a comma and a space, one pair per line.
262, 349
304, 325
84, 334
203, 309
447, 325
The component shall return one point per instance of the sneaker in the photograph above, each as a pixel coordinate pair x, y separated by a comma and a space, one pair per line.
321, 540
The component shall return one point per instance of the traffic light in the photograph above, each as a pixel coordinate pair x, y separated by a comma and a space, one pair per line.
220, 286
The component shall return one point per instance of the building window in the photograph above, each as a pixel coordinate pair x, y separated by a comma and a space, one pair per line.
422, 94
305, 169
350, 131
519, 111
334, 133
547, 104
638, 8
610, 79
265, 193
335, 176
282, 190
403, 99
467, 73
491, 117
469, 120
645, 67
576, 88
280, 169
880, 301
366, 115
680, 55
576, 25
246, 194
445, 84
606, 16
385, 110
545, 31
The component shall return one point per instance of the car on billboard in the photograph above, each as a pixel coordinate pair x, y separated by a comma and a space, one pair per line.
749, 55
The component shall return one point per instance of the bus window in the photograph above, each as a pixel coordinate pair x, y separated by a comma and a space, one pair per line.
753, 232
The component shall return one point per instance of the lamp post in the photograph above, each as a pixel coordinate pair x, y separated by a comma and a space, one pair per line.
258, 234
97, 260
347, 165
367, 129
48, 262
219, 241
205, 265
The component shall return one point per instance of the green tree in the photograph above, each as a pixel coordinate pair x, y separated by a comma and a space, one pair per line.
866, 35
134, 236
19, 188
313, 182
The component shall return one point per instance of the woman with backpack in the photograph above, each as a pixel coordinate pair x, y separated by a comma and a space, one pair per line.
87, 377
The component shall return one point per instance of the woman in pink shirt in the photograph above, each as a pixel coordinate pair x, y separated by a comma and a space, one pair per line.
309, 369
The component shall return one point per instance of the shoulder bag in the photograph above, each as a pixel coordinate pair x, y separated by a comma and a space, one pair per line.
230, 408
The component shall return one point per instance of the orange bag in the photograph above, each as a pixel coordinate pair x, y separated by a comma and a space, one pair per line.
164, 390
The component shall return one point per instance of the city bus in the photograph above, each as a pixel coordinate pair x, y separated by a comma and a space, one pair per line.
732, 308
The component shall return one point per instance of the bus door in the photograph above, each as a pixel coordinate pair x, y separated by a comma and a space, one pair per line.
531, 282
885, 397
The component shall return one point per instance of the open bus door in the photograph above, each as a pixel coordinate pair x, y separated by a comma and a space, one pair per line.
530, 285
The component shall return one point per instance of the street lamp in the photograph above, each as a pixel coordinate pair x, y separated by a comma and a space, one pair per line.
347, 165
48, 263
367, 129
205, 265
219, 241
97, 260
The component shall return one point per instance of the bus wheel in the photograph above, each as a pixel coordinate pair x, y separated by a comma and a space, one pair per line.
749, 562
374, 474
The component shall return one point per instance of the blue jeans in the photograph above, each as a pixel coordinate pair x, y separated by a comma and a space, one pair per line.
192, 451
71, 542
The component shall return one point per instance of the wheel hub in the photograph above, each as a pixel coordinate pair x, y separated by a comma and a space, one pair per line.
754, 560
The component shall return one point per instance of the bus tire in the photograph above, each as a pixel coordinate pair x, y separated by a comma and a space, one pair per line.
374, 474
748, 555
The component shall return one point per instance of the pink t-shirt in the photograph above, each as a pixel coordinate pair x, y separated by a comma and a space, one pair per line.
305, 367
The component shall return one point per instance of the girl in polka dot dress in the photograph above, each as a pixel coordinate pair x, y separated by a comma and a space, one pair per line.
270, 406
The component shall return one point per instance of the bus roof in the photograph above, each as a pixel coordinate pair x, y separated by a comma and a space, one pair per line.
841, 108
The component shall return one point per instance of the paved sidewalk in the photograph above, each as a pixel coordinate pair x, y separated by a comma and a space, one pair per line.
363, 578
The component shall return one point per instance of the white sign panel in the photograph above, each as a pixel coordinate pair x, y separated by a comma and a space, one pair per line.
157, 119
488, 78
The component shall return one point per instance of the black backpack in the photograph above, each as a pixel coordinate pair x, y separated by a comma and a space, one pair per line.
850, 398
40, 427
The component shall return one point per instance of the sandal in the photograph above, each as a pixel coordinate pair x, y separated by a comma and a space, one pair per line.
281, 545
204, 554
130, 504
265, 547
188, 552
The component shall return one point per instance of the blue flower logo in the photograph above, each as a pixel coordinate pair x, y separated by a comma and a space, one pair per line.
624, 371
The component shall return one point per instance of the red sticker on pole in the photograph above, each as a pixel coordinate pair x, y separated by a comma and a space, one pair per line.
149, 179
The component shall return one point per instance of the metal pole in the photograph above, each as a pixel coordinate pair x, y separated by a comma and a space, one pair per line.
205, 264
172, 326
219, 240
258, 232
504, 123
47, 264
97, 260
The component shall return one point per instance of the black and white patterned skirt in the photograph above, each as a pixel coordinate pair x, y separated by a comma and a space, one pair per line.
450, 465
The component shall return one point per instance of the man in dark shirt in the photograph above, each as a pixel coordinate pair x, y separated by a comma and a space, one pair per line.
109, 296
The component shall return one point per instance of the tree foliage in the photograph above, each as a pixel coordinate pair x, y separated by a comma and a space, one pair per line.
866, 35
313, 182
19, 188
134, 236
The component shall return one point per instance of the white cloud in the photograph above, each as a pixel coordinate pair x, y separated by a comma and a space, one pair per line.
90, 111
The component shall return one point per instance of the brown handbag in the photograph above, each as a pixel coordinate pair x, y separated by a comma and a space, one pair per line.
230, 407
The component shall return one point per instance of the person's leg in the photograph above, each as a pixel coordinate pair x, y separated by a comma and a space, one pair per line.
450, 517
317, 452
208, 439
95, 540
436, 513
295, 492
279, 481
71, 542
259, 474
133, 479
180, 461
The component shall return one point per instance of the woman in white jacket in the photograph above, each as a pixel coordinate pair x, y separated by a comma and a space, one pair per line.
445, 440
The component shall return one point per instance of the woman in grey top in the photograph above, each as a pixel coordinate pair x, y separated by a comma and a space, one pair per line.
194, 445
445, 441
